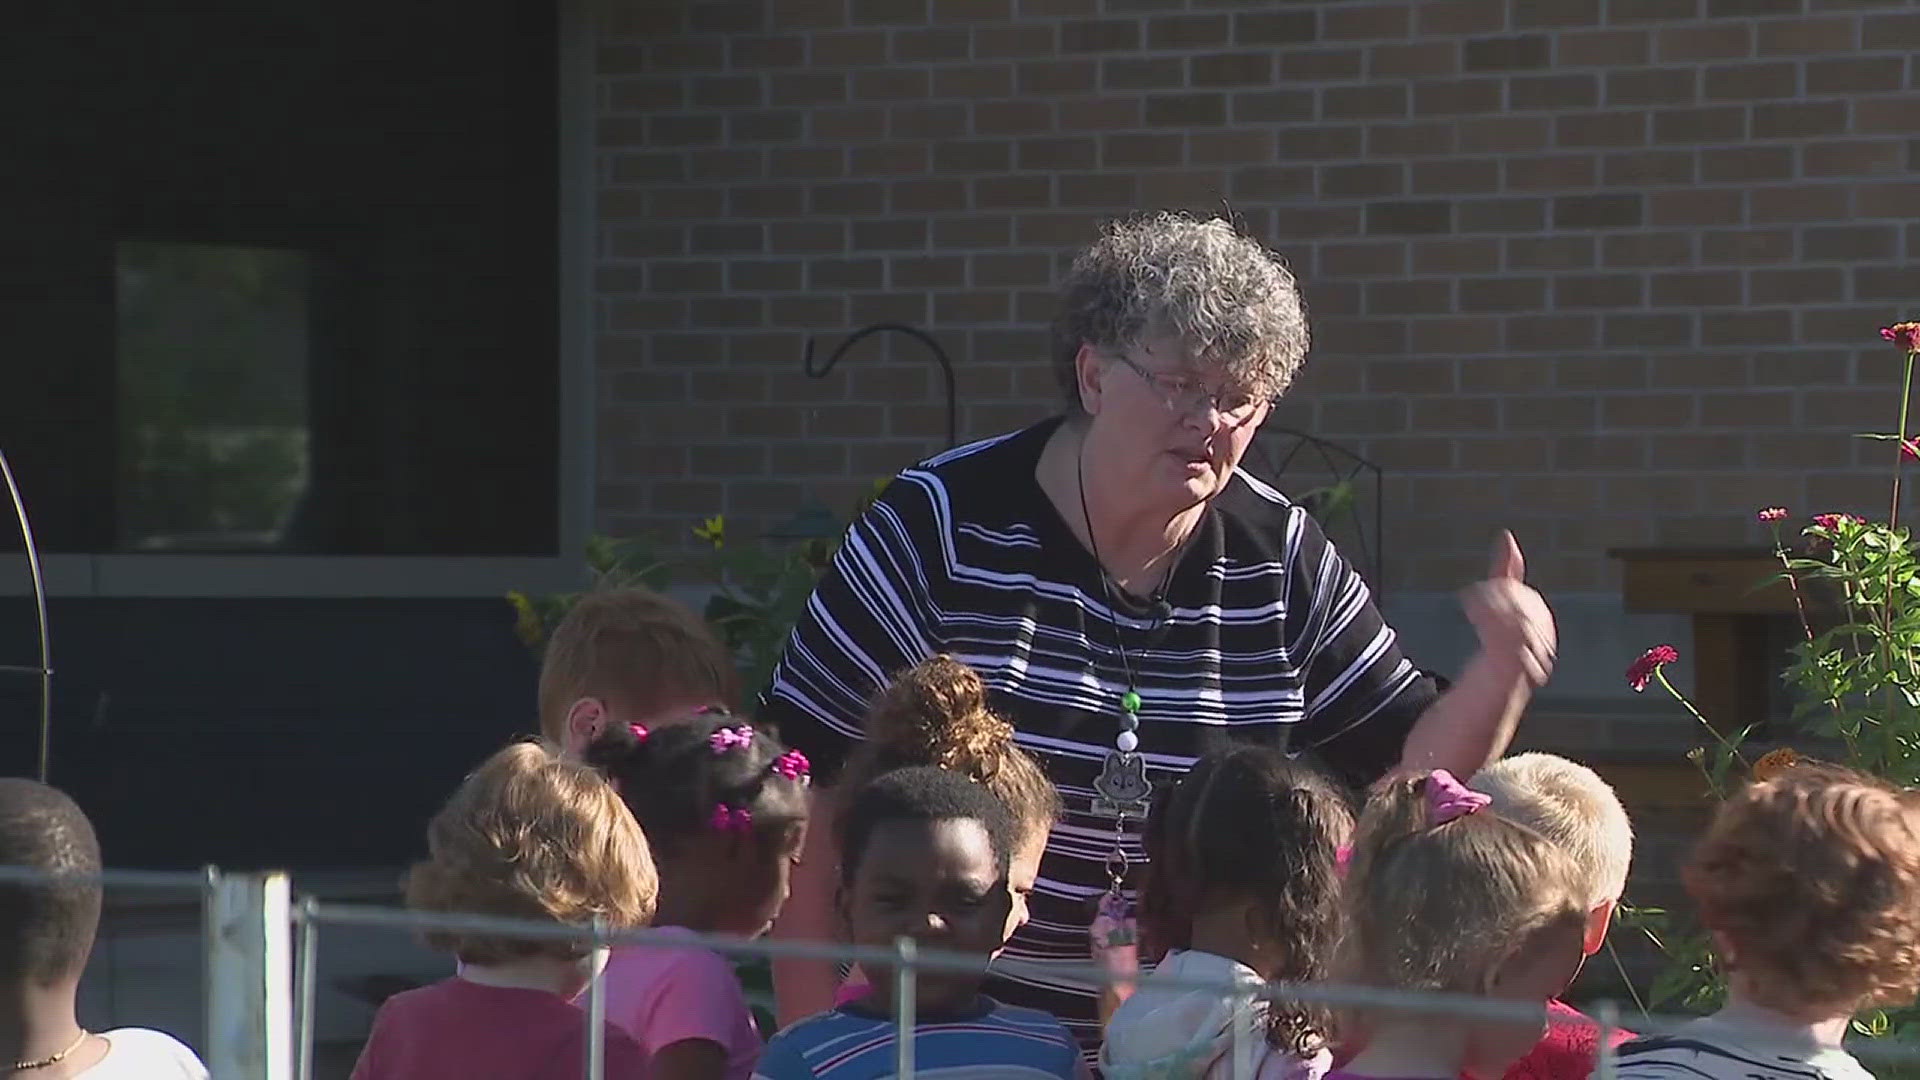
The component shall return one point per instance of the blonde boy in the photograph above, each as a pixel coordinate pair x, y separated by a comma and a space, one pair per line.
1571, 806
628, 656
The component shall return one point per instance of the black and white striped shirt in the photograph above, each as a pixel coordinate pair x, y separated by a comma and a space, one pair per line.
1703, 1051
1271, 637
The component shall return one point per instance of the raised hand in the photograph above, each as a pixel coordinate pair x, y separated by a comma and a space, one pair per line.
1511, 618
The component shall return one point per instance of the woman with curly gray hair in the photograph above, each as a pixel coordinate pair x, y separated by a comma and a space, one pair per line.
1131, 596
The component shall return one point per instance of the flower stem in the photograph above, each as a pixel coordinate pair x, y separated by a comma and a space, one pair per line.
1660, 674
1893, 527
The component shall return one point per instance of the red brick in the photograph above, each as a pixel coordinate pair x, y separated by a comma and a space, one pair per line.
1186, 109
1552, 93
1503, 294
1458, 97
1099, 35
1646, 168
1456, 255
1040, 77
1556, 13
1601, 453
1849, 243
1359, 21
1628, 331
1461, 16
1319, 65
1271, 182
1504, 134
1647, 410
1901, 114
1827, 34
1653, 86
1231, 69
1855, 74
1797, 285
1885, 200
1577, 291
1371, 258
854, 48
1704, 206
1413, 59
1746, 247
1706, 41
1882, 157
1520, 52
1188, 31
1320, 143
1625, 128
1275, 27
1502, 215
1361, 181
1703, 125
1603, 48
1748, 82
1697, 288
1016, 192
1272, 106
1550, 252
1553, 333
1787, 120
1014, 41
1747, 164
1410, 140
1456, 176
1803, 202
1410, 377
1575, 413
1143, 73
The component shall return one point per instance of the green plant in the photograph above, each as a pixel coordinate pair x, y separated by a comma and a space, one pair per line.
755, 588
1856, 587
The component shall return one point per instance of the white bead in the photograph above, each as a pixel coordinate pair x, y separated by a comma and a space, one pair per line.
1128, 742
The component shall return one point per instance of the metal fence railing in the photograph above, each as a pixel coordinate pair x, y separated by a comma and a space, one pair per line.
260, 949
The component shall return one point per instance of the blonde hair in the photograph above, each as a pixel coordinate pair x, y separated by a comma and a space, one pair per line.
1437, 905
529, 835
936, 713
1813, 880
639, 650
1570, 805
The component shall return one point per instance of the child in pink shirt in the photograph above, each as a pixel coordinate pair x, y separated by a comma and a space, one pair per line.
724, 807
527, 836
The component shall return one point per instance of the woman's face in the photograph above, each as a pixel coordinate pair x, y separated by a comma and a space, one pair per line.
1176, 430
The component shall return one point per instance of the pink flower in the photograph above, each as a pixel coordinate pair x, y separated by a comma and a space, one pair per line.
1642, 670
1906, 335
1773, 513
1910, 449
1833, 522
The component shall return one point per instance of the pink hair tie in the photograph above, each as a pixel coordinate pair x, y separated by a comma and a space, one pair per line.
1342, 855
1448, 798
793, 765
730, 738
639, 732
732, 819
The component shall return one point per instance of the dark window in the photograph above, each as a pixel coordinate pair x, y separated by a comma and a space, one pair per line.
282, 277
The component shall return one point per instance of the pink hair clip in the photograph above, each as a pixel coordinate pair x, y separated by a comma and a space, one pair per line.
1448, 798
732, 818
793, 765
1342, 855
730, 738
639, 731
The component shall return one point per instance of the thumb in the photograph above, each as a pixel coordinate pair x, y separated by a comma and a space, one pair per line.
1507, 560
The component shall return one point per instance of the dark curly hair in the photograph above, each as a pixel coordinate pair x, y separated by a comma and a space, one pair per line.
1248, 824
674, 779
936, 713
920, 794
1813, 879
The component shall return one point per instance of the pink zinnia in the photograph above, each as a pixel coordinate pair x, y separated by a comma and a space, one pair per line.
1832, 522
1906, 335
1773, 513
1910, 448
1642, 670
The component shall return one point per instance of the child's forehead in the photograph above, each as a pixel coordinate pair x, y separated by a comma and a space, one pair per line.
920, 848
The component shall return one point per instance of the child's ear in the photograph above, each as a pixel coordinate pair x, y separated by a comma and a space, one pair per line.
1598, 920
585, 718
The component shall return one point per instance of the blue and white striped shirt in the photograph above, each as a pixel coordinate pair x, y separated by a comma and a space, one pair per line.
993, 1042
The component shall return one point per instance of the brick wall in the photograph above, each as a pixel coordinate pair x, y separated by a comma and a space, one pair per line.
1608, 271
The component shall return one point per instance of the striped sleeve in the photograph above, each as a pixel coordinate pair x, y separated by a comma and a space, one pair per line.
1362, 695
869, 617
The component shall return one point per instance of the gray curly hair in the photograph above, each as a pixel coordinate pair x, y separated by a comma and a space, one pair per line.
1230, 301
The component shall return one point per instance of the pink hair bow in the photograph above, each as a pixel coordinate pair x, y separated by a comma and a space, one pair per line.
793, 765
730, 738
732, 818
1448, 798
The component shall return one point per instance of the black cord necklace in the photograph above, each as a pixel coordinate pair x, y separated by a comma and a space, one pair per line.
1122, 789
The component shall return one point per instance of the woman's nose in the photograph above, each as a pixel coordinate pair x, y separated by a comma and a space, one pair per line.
934, 923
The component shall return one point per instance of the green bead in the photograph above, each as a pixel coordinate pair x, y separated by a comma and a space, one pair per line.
1130, 701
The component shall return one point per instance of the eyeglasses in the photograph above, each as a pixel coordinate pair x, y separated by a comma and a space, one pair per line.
1184, 397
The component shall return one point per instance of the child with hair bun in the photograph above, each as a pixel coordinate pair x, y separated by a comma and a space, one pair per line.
936, 714
724, 806
1809, 883
1243, 887
1444, 894
526, 836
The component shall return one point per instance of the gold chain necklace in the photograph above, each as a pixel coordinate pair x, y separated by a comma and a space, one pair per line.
53, 1059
